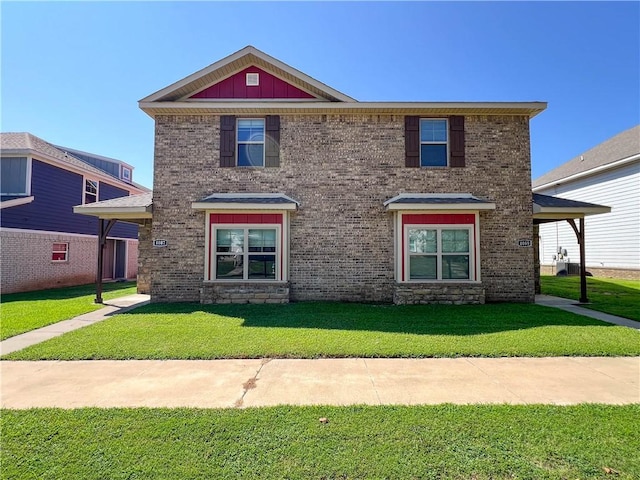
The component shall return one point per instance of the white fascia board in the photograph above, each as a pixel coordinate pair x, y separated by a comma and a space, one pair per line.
114, 212
249, 50
427, 195
441, 206
573, 212
530, 109
586, 173
242, 206
16, 201
92, 173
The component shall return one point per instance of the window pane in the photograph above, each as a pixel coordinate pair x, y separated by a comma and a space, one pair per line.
251, 130
433, 155
262, 240
422, 241
59, 247
455, 241
91, 187
423, 267
59, 256
262, 266
229, 266
250, 155
229, 240
455, 267
13, 175
433, 130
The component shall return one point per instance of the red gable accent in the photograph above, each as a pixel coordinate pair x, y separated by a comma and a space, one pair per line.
235, 87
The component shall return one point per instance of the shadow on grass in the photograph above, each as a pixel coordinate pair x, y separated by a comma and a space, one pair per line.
65, 292
414, 319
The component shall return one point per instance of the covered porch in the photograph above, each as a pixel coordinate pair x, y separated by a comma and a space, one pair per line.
554, 209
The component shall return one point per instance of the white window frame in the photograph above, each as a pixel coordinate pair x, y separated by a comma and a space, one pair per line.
252, 79
126, 173
210, 268
85, 192
27, 186
65, 251
439, 253
263, 142
446, 144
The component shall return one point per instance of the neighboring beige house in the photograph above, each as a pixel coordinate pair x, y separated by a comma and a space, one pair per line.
270, 186
607, 174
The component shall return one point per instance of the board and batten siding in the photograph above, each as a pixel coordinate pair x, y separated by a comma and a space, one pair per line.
612, 239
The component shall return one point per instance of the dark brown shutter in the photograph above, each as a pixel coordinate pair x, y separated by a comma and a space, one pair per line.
272, 141
456, 140
412, 141
227, 141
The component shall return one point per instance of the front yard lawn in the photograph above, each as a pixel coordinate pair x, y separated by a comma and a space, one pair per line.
360, 442
22, 312
616, 297
311, 330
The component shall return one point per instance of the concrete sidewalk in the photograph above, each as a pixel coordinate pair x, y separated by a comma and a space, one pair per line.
574, 306
256, 383
117, 305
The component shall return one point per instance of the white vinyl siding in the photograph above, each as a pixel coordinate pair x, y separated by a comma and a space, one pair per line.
612, 239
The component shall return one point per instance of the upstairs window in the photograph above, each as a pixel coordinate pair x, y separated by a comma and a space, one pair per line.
250, 137
433, 142
90, 191
126, 174
14, 174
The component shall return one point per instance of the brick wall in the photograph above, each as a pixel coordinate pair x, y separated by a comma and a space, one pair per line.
341, 168
25, 259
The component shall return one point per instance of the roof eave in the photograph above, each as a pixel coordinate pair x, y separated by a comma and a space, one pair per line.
243, 206
530, 109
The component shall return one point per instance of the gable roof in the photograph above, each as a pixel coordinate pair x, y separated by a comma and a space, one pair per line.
609, 154
27, 144
238, 61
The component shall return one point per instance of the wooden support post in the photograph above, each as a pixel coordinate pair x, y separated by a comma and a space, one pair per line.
583, 262
103, 231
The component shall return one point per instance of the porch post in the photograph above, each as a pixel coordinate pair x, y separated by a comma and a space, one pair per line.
583, 265
103, 231
583, 262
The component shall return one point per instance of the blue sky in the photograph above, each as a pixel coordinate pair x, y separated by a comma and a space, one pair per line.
72, 72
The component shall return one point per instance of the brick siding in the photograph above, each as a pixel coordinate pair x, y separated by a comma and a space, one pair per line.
341, 168
26, 261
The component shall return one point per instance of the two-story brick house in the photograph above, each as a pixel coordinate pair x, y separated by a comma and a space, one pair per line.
270, 186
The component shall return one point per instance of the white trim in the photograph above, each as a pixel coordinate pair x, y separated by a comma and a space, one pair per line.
65, 251
89, 171
86, 179
248, 50
586, 173
391, 205
16, 202
48, 232
29, 159
116, 213
445, 143
530, 109
439, 254
250, 142
478, 262
242, 206
246, 254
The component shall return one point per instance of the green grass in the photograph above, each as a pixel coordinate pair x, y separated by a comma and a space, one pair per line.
616, 297
22, 312
427, 442
311, 330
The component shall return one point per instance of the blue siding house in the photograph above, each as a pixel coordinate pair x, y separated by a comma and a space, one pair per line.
45, 244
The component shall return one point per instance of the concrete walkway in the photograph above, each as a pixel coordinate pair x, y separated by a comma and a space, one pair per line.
254, 383
574, 306
117, 305
257, 383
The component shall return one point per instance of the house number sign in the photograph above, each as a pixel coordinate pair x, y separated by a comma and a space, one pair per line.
160, 243
525, 242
